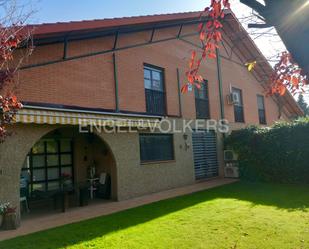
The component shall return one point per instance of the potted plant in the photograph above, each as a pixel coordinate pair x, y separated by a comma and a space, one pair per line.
9, 216
3, 207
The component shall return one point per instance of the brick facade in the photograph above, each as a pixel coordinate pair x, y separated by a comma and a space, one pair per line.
89, 82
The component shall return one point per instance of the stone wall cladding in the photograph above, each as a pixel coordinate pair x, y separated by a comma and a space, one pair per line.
12, 155
133, 178
136, 179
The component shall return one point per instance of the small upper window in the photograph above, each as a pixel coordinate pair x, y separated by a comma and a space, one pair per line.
261, 109
202, 101
202, 93
238, 106
154, 91
153, 79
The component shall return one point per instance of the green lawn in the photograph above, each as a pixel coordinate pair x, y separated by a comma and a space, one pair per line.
240, 215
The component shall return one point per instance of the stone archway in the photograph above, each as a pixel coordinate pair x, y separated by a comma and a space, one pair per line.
12, 154
67, 151
93, 149
16, 148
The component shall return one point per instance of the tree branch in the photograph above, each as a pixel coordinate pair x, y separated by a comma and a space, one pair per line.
256, 6
259, 25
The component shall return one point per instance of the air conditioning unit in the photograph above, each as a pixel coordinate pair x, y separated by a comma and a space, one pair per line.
232, 98
231, 172
229, 155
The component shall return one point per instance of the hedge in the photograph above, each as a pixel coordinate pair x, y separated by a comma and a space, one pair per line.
276, 154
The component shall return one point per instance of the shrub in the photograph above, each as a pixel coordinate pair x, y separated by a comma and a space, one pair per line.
276, 154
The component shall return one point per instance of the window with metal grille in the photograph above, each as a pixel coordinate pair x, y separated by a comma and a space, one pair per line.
46, 162
154, 90
156, 147
238, 106
261, 109
202, 101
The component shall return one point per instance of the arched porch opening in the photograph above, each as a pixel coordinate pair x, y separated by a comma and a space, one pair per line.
65, 160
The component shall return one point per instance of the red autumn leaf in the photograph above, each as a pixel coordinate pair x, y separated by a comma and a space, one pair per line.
295, 81
202, 35
219, 36
209, 24
198, 63
217, 24
199, 78
193, 54
191, 78
184, 88
204, 54
212, 55
217, 9
14, 99
282, 91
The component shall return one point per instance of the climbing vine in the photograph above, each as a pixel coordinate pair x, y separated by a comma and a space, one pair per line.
287, 75
210, 37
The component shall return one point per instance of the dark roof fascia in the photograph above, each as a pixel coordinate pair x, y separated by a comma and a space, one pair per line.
97, 33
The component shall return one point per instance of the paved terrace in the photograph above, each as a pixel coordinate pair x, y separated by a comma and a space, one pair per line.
39, 223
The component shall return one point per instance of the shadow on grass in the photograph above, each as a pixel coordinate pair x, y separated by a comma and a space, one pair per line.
287, 197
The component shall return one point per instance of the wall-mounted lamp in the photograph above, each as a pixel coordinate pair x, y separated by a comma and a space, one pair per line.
187, 145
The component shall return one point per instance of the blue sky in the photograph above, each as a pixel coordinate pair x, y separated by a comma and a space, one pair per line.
72, 10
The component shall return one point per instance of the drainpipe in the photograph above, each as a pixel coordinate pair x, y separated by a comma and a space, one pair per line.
179, 93
222, 144
219, 73
116, 83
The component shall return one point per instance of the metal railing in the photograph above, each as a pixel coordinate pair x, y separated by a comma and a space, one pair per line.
155, 102
202, 108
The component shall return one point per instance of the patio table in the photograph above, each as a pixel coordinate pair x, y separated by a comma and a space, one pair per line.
61, 194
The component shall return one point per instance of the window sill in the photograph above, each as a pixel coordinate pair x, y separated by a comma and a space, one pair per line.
203, 118
158, 162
